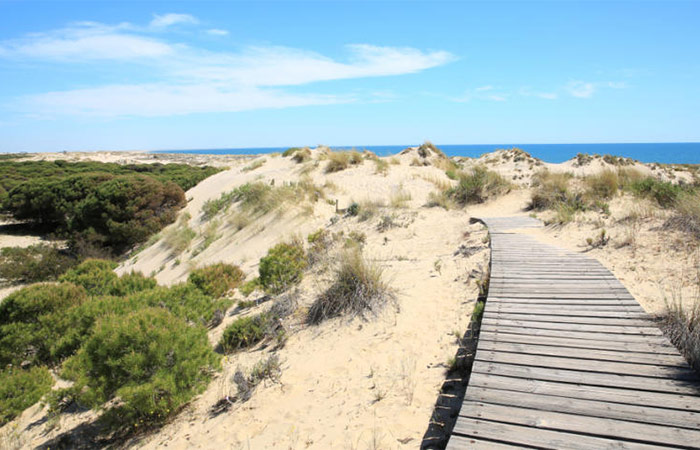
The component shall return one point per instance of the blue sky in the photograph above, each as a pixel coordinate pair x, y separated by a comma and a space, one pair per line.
172, 75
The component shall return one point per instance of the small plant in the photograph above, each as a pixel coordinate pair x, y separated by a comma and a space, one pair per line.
217, 280
603, 185
599, 241
179, 238
353, 209
381, 166
245, 332
385, 223
477, 185
248, 287
437, 265
255, 165
399, 199
302, 155
357, 288
34, 263
282, 267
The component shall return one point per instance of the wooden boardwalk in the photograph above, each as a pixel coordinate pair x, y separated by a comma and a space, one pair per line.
568, 359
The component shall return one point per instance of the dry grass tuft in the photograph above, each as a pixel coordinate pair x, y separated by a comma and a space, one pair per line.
358, 288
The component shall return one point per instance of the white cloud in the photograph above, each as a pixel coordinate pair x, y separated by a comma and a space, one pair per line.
282, 66
190, 79
581, 89
166, 20
217, 32
487, 92
149, 100
527, 91
85, 41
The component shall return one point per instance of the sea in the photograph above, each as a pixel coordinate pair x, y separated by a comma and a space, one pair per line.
662, 152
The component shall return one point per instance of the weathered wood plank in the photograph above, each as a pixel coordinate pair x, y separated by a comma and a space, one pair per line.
642, 331
625, 356
607, 427
585, 407
574, 319
525, 436
664, 401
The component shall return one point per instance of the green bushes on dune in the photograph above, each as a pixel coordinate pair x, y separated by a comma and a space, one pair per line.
115, 337
39, 262
96, 205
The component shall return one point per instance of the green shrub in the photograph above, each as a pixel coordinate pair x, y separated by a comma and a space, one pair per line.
663, 192
35, 263
216, 280
20, 389
151, 360
357, 288
248, 287
97, 276
290, 151
282, 267
186, 301
337, 161
477, 185
33, 319
245, 332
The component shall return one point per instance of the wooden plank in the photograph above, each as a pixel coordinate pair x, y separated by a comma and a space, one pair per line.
458, 442
652, 434
562, 296
589, 378
610, 344
587, 365
521, 436
584, 353
584, 407
578, 335
667, 402
562, 301
621, 311
642, 331
573, 319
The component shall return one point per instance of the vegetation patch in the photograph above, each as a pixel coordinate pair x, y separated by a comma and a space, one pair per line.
477, 185
20, 389
217, 280
152, 361
338, 161
39, 262
357, 288
282, 267
246, 332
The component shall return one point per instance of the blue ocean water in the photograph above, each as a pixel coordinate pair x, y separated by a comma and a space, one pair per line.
670, 153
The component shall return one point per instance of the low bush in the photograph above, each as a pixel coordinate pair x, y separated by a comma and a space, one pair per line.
282, 267
245, 332
218, 279
248, 287
550, 190
663, 192
179, 238
151, 360
357, 288
337, 161
686, 215
33, 319
39, 262
477, 185
20, 389
97, 276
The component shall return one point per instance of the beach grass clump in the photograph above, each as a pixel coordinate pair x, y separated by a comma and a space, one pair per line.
151, 360
282, 267
603, 185
427, 148
216, 280
40, 262
179, 238
399, 198
320, 242
290, 151
302, 155
254, 165
682, 325
338, 161
357, 288
381, 167
245, 332
550, 190
686, 214
477, 185
20, 389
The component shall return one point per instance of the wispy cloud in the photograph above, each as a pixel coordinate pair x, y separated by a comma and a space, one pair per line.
85, 41
581, 89
527, 91
170, 19
194, 79
487, 92
217, 32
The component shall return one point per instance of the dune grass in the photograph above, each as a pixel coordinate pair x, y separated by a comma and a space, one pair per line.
477, 185
358, 288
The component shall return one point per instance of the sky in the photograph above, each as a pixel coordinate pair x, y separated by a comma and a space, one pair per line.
139, 75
